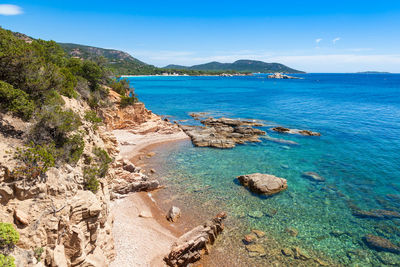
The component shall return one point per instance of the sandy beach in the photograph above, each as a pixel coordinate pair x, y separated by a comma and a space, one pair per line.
141, 233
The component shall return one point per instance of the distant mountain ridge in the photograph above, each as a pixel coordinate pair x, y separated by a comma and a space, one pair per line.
122, 63
118, 61
243, 65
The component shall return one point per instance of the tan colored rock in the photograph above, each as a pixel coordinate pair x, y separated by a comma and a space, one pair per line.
258, 233
21, 217
173, 214
59, 259
263, 183
191, 246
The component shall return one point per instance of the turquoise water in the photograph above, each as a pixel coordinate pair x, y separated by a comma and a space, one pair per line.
358, 116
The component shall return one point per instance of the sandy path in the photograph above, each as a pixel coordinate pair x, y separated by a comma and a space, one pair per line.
140, 241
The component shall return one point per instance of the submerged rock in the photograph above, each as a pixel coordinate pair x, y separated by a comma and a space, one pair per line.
173, 214
381, 244
255, 214
376, 214
313, 176
281, 129
250, 238
191, 246
291, 231
263, 183
258, 233
255, 250
223, 132
300, 254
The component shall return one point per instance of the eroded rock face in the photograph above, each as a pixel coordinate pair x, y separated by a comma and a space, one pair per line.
191, 246
281, 129
263, 183
381, 244
223, 132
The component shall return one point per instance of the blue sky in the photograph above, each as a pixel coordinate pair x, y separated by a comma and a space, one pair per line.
315, 36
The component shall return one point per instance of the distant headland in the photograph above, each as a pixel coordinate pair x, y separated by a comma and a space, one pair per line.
373, 72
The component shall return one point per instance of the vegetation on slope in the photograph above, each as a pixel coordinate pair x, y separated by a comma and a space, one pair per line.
34, 74
122, 63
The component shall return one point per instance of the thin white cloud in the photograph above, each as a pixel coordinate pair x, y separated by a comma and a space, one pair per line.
335, 40
10, 10
318, 40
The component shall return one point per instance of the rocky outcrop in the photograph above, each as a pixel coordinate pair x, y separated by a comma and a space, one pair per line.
223, 132
381, 244
281, 76
263, 183
173, 214
129, 178
281, 129
191, 246
119, 118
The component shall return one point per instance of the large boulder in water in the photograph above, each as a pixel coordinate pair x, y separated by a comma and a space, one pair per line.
381, 244
263, 183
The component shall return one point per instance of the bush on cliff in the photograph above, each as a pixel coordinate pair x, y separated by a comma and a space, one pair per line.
6, 261
35, 161
127, 101
54, 124
120, 86
103, 161
90, 174
16, 101
91, 116
8, 236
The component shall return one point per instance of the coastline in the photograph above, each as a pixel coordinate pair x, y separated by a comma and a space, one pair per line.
141, 240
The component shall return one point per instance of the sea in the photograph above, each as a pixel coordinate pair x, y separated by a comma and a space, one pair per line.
314, 223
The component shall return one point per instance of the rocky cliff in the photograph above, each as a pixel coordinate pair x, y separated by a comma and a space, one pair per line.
60, 223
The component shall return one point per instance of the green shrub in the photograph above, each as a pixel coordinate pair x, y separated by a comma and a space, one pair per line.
54, 124
16, 101
120, 86
103, 160
8, 236
35, 159
6, 261
91, 116
38, 253
69, 83
90, 177
52, 98
72, 149
127, 101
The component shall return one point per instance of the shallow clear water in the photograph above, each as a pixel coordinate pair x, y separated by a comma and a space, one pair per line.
358, 116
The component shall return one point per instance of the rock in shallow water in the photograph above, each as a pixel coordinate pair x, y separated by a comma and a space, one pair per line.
376, 214
263, 183
381, 244
280, 129
313, 176
191, 246
173, 214
223, 132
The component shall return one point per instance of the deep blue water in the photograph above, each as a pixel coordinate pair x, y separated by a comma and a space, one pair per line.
358, 116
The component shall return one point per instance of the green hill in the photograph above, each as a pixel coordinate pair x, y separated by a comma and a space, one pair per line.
239, 65
118, 61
